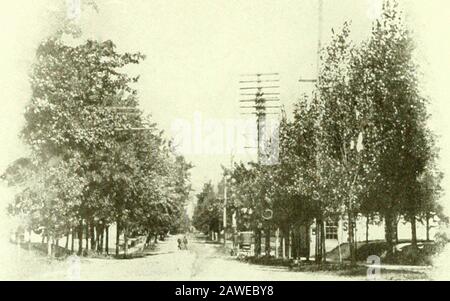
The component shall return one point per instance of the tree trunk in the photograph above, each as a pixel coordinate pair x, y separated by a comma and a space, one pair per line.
351, 238
100, 232
267, 241
125, 239
290, 242
413, 232
80, 238
107, 240
257, 242
117, 238
87, 237
294, 243
49, 247
323, 237
355, 235
102, 239
148, 239
56, 247
389, 233
92, 236
308, 241
277, 243
319, 241
287, 242
367, 229
29, 240
427, 226
98, 237
299, 242
72, 240
316, 244
396, 232
67, 240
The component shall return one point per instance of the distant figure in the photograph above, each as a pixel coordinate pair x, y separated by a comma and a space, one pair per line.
180, 247
185, 242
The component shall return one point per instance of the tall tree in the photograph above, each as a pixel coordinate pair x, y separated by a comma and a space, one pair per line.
343, 127
401, 143
84, 118
207, 212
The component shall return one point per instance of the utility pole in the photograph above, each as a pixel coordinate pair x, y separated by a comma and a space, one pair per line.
255, 85
319, 44
225, 204
264, 87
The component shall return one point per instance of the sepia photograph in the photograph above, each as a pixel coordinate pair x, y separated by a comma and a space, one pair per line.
225, 140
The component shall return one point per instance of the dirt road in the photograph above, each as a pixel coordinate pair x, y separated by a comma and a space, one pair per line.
202, 261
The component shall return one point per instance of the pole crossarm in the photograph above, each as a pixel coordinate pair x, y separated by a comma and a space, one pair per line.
260, 107
257, 93
260, 88
259, 101
259, 81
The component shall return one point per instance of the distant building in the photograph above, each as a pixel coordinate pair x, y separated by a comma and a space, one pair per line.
337, 232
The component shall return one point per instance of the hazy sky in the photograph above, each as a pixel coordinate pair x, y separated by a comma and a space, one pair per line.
197, 49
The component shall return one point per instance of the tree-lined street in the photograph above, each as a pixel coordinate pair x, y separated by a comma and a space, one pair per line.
104, 193
358, 148
202, 261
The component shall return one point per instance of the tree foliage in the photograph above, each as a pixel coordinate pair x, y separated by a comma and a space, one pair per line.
359, 146
95, 160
